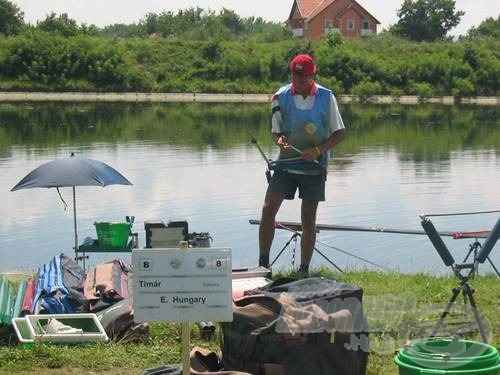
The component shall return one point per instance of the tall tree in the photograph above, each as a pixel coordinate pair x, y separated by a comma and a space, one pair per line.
11, 18
426, 20
489, 27
231, 21
62, 25
121, 30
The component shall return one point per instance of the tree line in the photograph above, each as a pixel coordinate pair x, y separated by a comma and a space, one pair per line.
418, 20
198, 51
187, 24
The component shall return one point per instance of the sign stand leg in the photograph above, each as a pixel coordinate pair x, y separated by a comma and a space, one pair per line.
186, 334
186, 344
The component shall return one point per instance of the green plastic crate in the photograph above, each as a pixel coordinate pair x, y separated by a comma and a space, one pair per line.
112, 234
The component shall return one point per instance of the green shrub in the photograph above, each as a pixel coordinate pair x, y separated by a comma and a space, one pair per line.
462, 87
422, 89
366, 88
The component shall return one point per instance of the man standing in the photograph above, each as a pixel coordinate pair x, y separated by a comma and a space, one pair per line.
306, 123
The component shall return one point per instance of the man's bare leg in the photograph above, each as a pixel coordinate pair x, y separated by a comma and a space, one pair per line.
308, 239
272, 204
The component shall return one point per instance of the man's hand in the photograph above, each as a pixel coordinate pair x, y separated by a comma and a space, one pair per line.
282, 143
310, 154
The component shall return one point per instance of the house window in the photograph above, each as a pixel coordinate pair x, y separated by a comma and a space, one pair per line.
350, 24
366, 25
328, 26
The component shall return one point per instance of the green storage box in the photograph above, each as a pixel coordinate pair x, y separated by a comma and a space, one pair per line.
112, 234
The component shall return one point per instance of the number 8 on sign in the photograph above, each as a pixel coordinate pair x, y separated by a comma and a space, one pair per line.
219, 263
146, 264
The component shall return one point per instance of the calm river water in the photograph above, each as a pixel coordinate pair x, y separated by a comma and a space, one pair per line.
196, 161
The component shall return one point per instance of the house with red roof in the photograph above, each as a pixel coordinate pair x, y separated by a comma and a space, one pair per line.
314, 18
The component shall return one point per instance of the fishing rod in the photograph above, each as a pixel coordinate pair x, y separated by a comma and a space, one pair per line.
254, 141
462, 213
298, 150
283, 163
268, 161
352, 228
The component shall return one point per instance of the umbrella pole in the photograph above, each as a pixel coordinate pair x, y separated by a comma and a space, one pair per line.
74, 226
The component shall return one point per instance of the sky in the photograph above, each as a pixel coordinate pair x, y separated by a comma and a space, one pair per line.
106, 12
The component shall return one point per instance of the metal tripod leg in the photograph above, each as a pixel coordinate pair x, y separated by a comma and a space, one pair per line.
492, 265
437, 327
323, 255
468, 294
474, 248
328, 260
293, 238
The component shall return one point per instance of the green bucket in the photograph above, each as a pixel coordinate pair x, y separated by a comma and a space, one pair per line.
112, 234
448, 356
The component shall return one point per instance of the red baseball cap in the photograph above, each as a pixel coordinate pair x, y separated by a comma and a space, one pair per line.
303, 64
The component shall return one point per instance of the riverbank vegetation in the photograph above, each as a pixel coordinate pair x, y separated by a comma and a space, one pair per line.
38, 61
163, 346
199, 51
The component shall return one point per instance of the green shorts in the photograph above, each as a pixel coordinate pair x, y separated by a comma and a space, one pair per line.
311, 188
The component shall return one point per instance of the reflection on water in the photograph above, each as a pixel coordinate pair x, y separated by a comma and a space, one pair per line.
195, 161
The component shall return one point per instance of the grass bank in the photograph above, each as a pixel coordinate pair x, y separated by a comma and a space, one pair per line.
386, 314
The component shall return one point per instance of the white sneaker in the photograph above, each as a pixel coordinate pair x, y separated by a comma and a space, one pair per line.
55, 326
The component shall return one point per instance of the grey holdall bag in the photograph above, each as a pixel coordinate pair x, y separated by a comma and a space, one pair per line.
291, 327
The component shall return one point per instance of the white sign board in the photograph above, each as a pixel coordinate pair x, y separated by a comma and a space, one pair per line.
182, 285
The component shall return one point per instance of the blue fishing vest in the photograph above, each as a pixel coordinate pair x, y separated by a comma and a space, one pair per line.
305, 128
